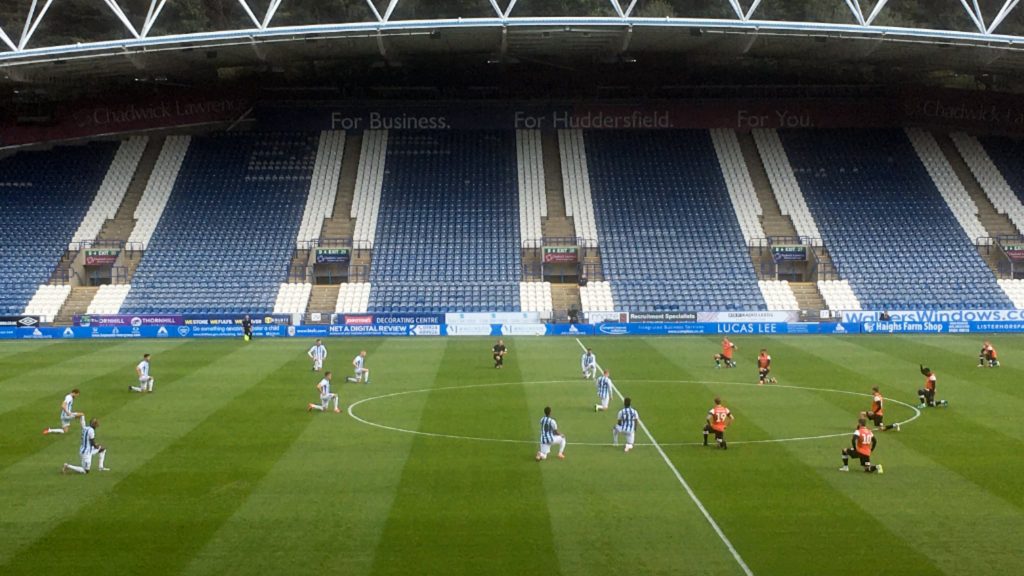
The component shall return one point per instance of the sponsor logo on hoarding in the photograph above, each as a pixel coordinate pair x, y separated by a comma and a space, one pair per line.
613, 329
469, 329
68, 332
662, 316
183, 330
358, 320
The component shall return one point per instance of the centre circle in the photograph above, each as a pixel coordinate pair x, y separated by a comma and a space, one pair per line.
354, 405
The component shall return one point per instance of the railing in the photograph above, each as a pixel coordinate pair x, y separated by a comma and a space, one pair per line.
65, 276
119, 275
359, 273
1006, 267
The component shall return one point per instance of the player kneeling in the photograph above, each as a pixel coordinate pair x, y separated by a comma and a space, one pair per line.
719, 418
359, 369
861, 445
88, 449
549, 435
927, 394
988, 356
324, 387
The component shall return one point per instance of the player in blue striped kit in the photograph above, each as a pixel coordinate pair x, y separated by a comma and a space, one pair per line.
549, 435
588, 363
604, 392
318, 353
324, 387
628, 418
88, 449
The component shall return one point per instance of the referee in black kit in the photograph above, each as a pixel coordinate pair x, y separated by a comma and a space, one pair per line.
499, 354
247, 328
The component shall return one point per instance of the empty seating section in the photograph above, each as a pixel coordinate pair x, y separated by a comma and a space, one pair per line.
1001, 168
43, 198
536, 297
778, 295
669, 236
533, 201
597, 297
323, 187
108, 299
292, 298
1014, 288
353, 298
158, 189
947, 182
785, 186
738, 182
838, 295
47, 301
889, 232
112, 189
224, 242
448, 230
576, 183
369, 180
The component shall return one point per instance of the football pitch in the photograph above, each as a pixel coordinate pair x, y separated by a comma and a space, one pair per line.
430, 468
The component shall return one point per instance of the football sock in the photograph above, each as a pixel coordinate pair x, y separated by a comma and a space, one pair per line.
615, 437
315, 407
136, 388
705, 437
562, 446
54, 430
846, 460
103, 458
351, 379
77, 469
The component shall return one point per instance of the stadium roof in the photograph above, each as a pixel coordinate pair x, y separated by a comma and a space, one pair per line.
62, 42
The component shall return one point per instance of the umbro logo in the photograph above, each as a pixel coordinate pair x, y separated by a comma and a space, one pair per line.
27, 321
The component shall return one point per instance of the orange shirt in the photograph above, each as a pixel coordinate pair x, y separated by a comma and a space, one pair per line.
726, 348
876, 403
991, 351
719, 416
929, 382
864, 437
763, 360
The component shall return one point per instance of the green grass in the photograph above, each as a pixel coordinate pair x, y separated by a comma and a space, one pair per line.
222, 471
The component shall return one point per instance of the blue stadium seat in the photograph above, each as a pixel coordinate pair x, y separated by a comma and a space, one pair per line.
225, 240
669, 235
889, 231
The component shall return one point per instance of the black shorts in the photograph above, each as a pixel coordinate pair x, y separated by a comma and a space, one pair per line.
718, 435
764, 371
864, 460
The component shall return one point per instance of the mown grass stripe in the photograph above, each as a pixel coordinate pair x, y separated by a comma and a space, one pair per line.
469, 508
318, 508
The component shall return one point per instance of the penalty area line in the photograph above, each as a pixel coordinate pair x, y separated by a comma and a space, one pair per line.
686, 486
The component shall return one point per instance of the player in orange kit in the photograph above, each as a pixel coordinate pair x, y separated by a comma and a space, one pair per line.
878, 410
988, 355
927, 394
764, 367
719, 418
726, 355
861, 445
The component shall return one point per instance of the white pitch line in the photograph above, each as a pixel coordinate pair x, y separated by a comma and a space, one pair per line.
689, 491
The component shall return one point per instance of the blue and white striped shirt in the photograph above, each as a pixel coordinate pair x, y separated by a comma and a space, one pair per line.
604, 386
588, 360
547, 430
628, 418
88, 434
318, 352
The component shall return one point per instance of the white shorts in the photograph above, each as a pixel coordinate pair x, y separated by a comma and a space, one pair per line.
603, 400
145, 379
87, 459
629, 435
546, 448
360, 371
65, 421
317, 364
328, 397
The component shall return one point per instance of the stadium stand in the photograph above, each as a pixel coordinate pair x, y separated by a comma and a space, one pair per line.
369, 183
43, 198
890, 233
681, 246
576, 182
785, 186
47, 301
112, 190
158, 189
596, 296
292, 298
536, 297
323, 186
533, 201
353, 298
226, 237
838, 295
947, 183
448, 232
1014, 289
738, 182
778, 295
108, 299
996, 163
